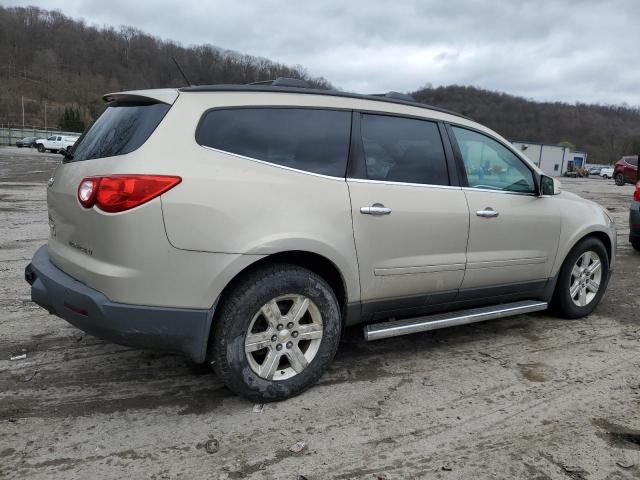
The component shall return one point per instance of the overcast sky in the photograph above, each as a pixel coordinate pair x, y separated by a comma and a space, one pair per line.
568, 50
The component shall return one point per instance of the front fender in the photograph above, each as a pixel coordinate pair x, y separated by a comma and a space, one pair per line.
580, 219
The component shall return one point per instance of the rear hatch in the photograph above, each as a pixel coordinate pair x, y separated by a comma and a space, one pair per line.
98, 247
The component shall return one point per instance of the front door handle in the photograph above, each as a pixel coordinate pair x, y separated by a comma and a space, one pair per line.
375, 209
488, 212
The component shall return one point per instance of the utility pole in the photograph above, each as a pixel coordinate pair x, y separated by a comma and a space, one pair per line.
22, 97
45, 116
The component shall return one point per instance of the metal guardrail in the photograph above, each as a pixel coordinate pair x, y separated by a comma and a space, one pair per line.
10, 135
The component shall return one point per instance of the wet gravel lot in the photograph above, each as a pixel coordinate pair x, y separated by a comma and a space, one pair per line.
526, 397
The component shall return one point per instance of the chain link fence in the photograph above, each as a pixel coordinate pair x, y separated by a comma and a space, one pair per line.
9, 135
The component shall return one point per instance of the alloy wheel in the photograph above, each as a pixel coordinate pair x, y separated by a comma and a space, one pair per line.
586, 276
283, 337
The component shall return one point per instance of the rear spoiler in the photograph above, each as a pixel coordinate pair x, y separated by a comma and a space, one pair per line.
162, 95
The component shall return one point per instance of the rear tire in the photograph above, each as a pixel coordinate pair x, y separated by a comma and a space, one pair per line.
620, 180
636, 245
257, 346
606, 177
585, 268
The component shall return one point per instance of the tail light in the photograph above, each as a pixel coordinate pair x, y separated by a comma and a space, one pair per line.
117, 193
636, 194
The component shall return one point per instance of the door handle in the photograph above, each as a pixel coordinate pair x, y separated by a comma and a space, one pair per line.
375, 209
488, 212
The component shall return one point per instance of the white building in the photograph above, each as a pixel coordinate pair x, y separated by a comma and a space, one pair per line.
554, 160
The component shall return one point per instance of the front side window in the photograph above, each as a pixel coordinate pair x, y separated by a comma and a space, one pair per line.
633, 161
403, 150
492, 166
313, 140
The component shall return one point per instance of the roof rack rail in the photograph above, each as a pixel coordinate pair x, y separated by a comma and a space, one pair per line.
289, 82
396, 96
283, 82
391, 97
261, 82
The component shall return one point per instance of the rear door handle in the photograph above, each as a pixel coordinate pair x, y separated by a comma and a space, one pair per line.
488, 212
375, 209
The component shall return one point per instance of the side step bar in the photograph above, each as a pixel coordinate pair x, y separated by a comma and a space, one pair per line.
396, 328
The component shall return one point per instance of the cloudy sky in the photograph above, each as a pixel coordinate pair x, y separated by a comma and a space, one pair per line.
568, 50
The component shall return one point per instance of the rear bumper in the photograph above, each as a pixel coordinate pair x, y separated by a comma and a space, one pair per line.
172, 329
634, 221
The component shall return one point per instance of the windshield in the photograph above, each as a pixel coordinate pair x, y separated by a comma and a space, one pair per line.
121, 129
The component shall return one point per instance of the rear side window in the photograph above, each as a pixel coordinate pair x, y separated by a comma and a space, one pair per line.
122, 128
313, 140
403, 150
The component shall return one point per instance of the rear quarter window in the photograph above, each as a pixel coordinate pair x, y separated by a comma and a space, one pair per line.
122, 128
313, 140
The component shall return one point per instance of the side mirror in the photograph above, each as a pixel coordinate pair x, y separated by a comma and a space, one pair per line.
549, 186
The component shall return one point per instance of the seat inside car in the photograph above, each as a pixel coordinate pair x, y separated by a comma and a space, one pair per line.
414, 166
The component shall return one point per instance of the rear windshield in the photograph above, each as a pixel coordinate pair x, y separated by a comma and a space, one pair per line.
122, 128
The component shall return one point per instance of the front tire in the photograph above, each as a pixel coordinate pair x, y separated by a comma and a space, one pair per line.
275, 333
582, 280
620, 180
41, 148
636, 245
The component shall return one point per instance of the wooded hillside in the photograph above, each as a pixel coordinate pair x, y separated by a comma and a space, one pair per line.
46, 56
604, 132
58, 63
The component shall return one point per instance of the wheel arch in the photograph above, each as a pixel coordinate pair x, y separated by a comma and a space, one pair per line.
601, 235
312, 261
604, 238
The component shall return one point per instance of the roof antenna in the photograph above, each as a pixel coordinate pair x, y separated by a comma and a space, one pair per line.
181, 72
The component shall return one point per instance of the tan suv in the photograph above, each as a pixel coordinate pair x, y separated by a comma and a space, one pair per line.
246, 226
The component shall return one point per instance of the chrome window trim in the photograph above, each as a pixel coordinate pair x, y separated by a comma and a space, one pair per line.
406, 184
504, 192
264, 162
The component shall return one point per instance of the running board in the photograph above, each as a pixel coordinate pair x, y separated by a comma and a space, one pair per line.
395, 328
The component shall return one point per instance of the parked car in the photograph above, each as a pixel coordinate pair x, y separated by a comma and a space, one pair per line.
595, 171
247, 226
55, 143
26, 142
634, 219
626, 170
606, 172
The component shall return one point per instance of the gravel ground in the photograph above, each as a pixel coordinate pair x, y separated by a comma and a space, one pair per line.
526, 397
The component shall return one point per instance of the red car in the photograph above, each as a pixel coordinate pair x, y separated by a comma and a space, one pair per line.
626, 170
